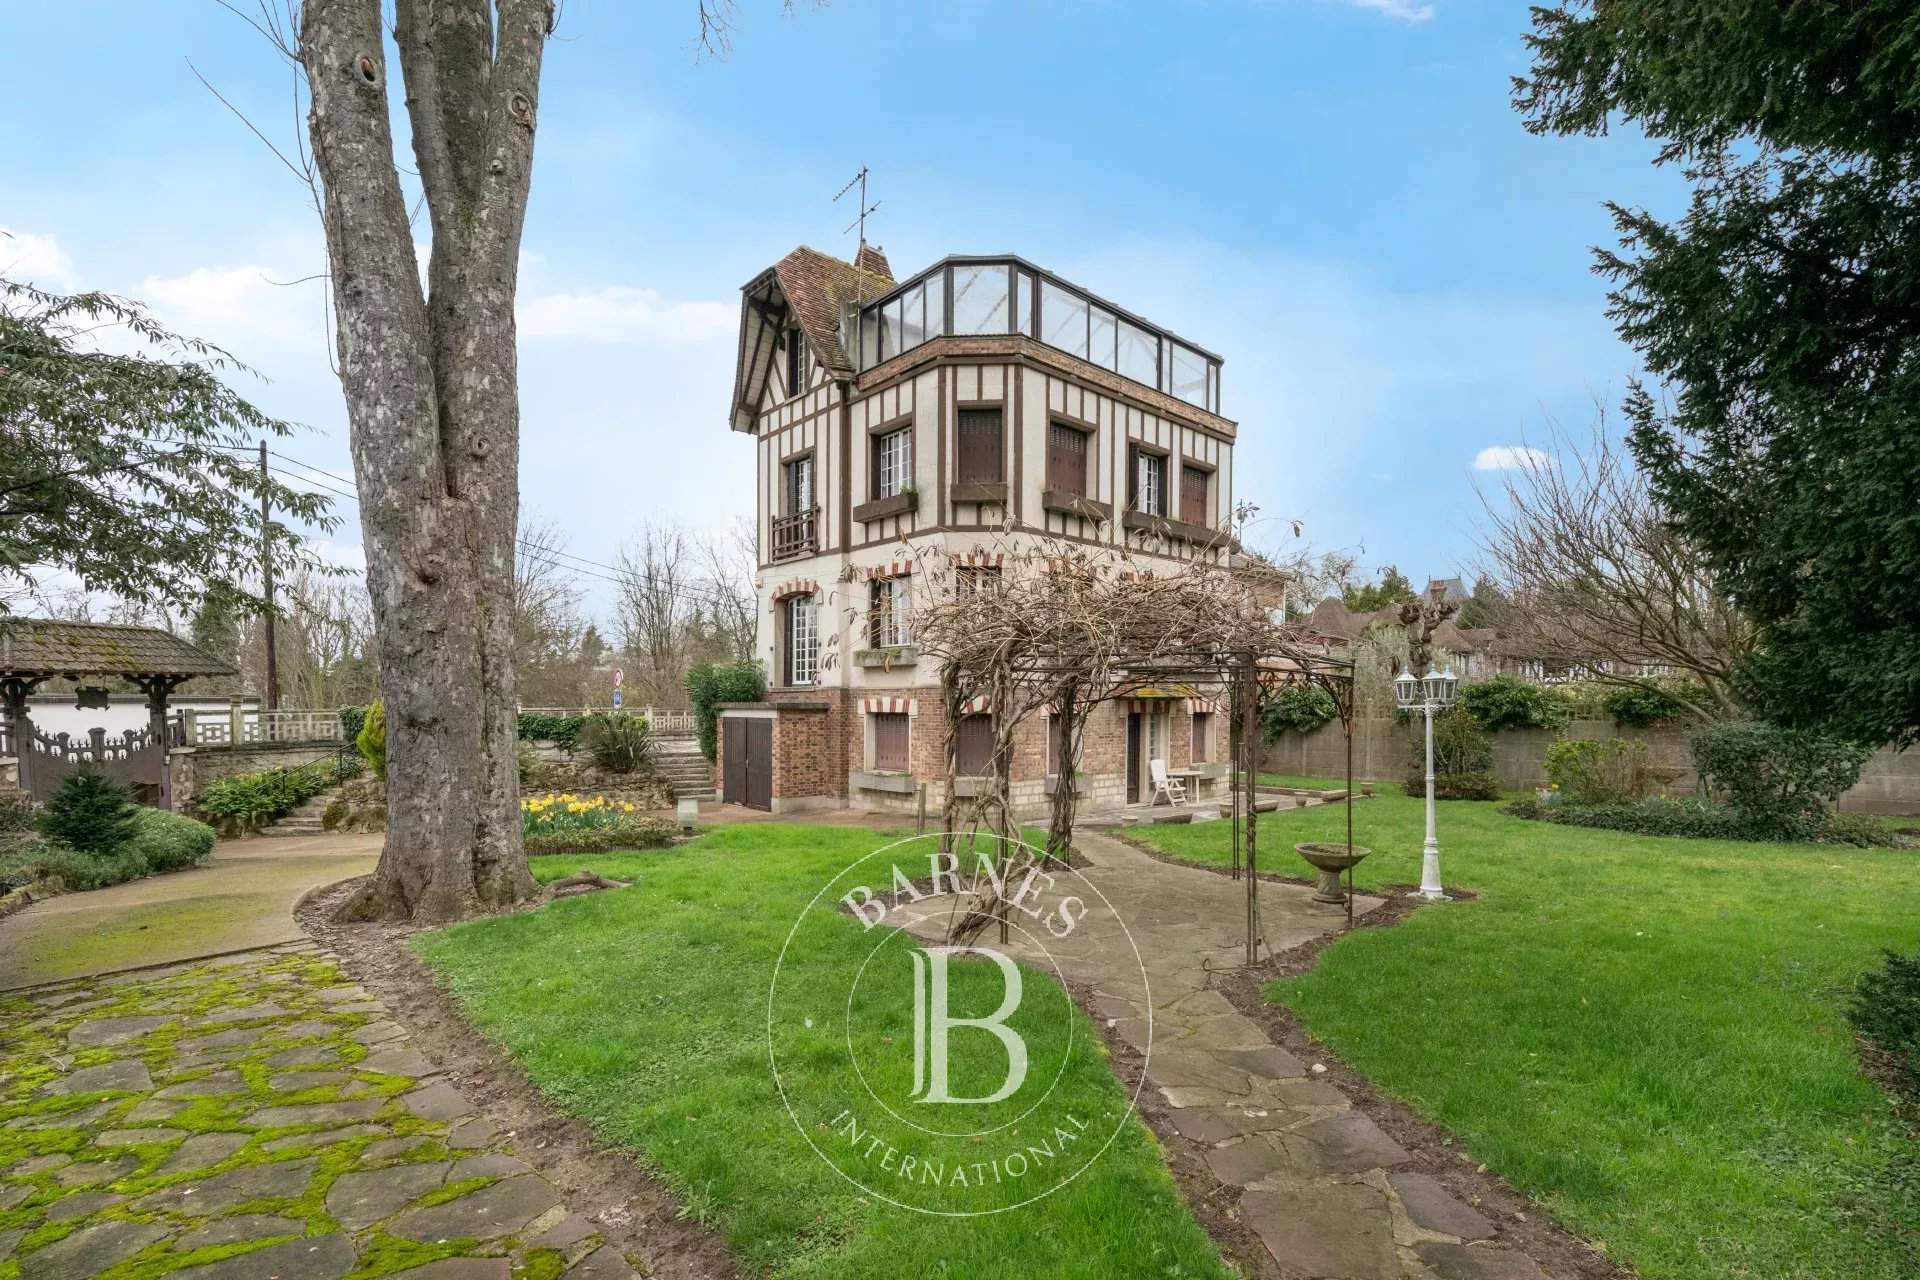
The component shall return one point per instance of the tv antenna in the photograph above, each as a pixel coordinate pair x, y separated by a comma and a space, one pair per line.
860, 180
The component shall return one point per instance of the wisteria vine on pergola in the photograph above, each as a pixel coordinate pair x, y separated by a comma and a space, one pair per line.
1056, 625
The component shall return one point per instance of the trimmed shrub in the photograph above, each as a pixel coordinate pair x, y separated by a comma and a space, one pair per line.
1462, 759
372, 738
623, 832
166, 841
1508, 702
1774, 776
1886, 1010
1302, 708
88, 813
75, 870
562, 731
1641, 706
351, 720
1589, 772
616, 741
1698, 819
712, 683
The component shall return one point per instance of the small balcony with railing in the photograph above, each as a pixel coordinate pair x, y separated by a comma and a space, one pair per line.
981, 296
796, 536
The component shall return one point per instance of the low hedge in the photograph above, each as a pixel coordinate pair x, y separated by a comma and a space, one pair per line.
1886, 1010
618, 833
157, 842
561, 731
1704, 820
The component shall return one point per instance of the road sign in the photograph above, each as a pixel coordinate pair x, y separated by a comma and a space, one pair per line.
619, 677
616, 697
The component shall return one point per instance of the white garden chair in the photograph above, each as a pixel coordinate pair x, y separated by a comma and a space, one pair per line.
1172, 788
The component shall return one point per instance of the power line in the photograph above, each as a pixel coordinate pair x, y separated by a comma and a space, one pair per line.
613, 574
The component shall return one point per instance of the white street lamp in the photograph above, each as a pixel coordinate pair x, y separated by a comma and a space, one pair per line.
1432, 693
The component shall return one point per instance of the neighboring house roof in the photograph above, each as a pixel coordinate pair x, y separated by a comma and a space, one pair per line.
1448, 590
806, 288
41, 647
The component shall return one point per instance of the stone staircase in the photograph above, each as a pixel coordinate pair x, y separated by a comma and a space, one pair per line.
677, 757
304, 821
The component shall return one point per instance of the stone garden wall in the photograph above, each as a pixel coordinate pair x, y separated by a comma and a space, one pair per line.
193, 769
1890, 783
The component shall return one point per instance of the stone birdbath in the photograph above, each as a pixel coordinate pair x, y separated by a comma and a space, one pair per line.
1330, 860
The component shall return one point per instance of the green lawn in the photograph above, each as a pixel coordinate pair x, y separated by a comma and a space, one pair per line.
646, 1011
1645, 1034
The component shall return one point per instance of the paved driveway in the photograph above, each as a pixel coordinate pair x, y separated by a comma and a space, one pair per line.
242, 897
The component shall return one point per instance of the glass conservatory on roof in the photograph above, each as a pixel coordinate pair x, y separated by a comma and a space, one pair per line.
970, 296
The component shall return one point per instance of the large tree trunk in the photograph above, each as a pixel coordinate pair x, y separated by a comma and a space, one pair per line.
433, 404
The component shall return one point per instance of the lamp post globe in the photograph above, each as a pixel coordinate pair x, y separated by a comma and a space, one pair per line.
1406, 689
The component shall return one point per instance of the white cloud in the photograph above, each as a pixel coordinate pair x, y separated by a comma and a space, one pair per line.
240, 307
34, 259
1400, 10
1510, 457
621, 314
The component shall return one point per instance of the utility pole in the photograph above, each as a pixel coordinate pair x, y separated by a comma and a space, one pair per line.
266, 576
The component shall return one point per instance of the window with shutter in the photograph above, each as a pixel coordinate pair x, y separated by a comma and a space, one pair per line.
981, 450
1148, 490
891, 606
1202, 736
1193, 494
973, 746
892, 462
1067, 459
890, 740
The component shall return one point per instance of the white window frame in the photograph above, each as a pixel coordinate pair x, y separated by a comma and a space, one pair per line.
893, 470
1149, 483
893, 612
803, 640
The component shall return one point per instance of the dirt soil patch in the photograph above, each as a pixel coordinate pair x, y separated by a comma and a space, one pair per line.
607, 1184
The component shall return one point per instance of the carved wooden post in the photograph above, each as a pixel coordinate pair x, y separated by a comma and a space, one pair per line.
13, 691
157, 690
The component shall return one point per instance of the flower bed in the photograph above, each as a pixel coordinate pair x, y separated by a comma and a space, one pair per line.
567, 823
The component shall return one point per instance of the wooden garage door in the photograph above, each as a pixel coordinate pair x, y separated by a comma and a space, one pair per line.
759, 739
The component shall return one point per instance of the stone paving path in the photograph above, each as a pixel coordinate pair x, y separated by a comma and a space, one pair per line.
1323, 1186
250, 1117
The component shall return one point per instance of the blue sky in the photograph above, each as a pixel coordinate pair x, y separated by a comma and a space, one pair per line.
1333, 194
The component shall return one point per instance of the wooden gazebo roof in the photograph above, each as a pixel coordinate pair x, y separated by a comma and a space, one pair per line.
39, 648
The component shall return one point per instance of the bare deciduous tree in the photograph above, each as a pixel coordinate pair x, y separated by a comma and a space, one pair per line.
657, 608
1599, 580
546, 617
729, 559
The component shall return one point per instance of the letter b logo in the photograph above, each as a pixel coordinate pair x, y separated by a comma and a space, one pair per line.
932, 1022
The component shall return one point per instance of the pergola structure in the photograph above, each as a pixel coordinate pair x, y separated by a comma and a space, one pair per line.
1082, 630
1255, 671
35, 650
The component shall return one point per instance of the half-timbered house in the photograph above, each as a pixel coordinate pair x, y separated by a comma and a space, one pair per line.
942, 418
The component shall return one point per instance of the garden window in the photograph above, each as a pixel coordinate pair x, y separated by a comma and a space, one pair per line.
1067, 459
973, 746
890, 740
892, 602
1202, 736
892, 462
981, 445
1139, 354
1193, 494
802, 640
1063, 319
1149, 476
980, 299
